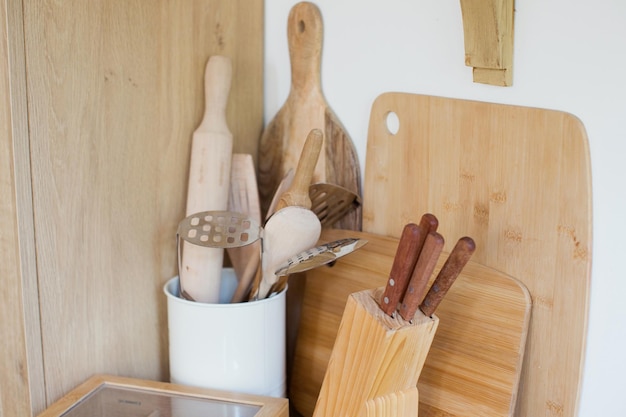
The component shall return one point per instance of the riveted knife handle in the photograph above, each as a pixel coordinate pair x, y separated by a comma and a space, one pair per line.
403, 264
451, 269
424, 268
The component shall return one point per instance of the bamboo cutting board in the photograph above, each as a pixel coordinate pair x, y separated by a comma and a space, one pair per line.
517, 180
483, 322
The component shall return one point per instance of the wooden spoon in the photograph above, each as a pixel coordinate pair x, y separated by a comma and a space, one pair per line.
294, 227
209, 182
306, 109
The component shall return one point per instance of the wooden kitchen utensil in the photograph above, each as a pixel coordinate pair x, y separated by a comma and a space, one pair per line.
475, 360
424, 267
298, 192
209, 181
331, 202
244, 198
518, 181
409, 249
284, 185
449, 272
294, 227
403, 264
306, 109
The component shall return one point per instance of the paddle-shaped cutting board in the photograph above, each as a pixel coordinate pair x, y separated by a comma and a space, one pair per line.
305, 109
517, 180
475, 360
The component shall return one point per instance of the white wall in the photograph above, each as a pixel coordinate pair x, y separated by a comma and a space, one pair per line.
570, 55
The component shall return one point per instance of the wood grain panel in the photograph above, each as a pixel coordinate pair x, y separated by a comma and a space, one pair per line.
115, 90
518, 181
21, 361
14, 395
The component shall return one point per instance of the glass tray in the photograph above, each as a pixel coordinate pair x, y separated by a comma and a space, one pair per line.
108, 396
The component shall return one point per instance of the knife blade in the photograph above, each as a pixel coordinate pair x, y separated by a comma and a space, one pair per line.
424, 268
451, 269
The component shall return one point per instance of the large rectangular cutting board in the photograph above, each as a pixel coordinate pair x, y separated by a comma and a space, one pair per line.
483, 324
518, 181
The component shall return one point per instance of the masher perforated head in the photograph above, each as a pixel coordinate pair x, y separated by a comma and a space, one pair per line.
219, 229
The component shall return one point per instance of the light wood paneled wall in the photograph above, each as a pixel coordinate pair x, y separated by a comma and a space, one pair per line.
113, 90
21, 359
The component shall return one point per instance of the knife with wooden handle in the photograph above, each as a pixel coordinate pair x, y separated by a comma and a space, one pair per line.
424, 268
451, 269
428, 223
403, 263
397, 285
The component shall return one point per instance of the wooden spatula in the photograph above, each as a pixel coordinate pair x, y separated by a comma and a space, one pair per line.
331, 202
244, 198
306, 109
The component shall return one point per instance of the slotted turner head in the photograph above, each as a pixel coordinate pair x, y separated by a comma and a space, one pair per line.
219, 229
331, 202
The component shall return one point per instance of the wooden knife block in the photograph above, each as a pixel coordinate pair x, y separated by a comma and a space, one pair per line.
375, 362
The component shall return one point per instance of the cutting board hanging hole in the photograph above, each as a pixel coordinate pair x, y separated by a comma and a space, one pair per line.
393, 123
301, 26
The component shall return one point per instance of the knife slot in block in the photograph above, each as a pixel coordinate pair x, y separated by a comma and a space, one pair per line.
376, 361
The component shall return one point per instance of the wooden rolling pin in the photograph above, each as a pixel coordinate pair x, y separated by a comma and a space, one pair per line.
209, 182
